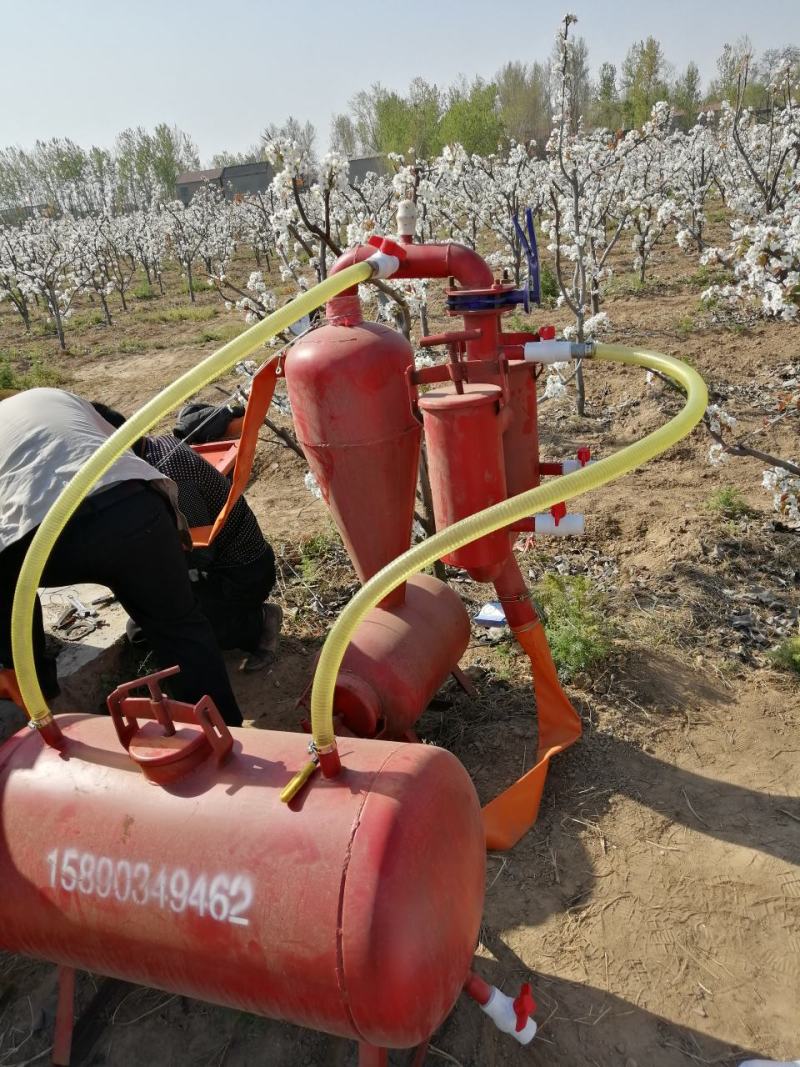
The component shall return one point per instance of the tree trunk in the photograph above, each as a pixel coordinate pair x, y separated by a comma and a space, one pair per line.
580, 392
189, 276
53, 302
106, 311
122, 298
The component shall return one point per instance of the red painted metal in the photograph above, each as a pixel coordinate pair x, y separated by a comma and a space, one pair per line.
521, 439
399, 658
464, 439
354, 910
65, 1017
349, 396
220, 454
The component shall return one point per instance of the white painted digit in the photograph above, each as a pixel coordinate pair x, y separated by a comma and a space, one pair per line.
86, 880
218, 902
105, 877
52, 859
241, 887
158, 888
179, 890
141, 877
122, 881
69, 872
197, 899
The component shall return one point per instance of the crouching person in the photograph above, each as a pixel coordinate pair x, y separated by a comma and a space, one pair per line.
233, 577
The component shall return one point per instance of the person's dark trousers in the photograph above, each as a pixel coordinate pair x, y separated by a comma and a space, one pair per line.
232, 599
126, 538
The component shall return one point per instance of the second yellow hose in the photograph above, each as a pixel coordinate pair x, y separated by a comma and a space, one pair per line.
145, 418
503, 514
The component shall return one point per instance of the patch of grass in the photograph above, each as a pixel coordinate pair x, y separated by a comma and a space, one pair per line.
199, 285
787, 655
315, 552
686, 326
32, 376
706, 276
729, 503
127, 345
144, 291
575, 622
222, 333
82, 319
192, 313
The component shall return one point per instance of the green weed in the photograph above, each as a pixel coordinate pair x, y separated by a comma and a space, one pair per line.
787, 655
179, 314
316, 552
143, 291
729, 503
34, 376
575, 622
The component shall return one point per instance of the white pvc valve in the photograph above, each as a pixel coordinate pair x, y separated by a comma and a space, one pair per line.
548, 351
406, 218
556, 351
500, 1009
569, 466
568, 525
383, 265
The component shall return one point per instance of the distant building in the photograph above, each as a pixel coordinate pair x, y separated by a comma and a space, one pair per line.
362, 166
188, 183
238, 180
243, 179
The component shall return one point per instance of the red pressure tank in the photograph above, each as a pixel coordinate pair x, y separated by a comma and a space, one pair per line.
347, 387
464, 438
398, 660
521, 439
355, 910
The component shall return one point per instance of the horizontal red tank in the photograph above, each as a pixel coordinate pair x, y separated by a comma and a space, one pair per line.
398, 659
355, 910
463, 436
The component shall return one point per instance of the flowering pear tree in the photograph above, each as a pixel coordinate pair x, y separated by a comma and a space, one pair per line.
758, 175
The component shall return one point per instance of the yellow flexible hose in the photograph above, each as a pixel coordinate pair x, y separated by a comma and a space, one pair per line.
145, 418
494, 518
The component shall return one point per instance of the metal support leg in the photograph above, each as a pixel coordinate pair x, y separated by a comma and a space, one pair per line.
65, 1017
420, 1054
464, 682
372, 1056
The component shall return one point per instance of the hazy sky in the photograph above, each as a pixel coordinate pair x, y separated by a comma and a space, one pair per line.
223, 70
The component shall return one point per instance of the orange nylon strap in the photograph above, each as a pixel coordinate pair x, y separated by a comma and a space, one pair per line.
258, 402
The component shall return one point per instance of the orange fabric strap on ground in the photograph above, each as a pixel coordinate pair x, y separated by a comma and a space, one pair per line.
258, 402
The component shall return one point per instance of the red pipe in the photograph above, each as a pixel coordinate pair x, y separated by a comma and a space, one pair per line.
430, 261
476, 988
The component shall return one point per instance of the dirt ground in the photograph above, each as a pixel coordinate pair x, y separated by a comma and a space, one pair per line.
655, 906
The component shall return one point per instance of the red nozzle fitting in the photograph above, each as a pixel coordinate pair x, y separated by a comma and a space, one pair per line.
583, 455
524, 1006
387, 246
547, 333
558, 511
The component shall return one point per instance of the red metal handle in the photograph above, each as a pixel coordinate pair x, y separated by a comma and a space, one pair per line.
126, 709
387, 246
